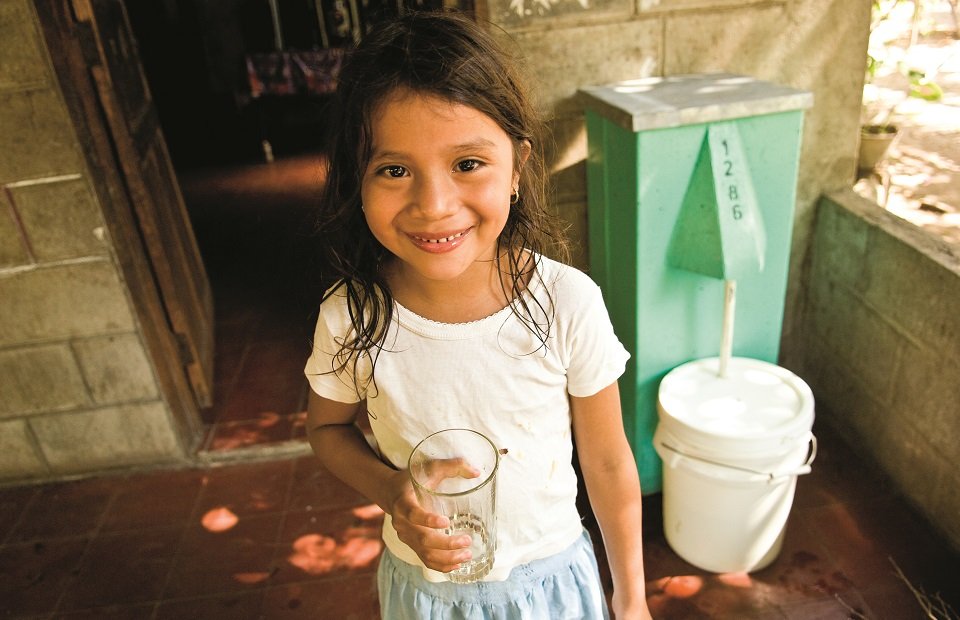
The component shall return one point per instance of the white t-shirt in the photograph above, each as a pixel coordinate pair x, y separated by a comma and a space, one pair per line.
493, 376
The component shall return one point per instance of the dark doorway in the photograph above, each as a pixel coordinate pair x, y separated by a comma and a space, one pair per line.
252, 217
252, 222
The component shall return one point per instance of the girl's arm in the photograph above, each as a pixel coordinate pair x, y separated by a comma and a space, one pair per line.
613, 485
343, 450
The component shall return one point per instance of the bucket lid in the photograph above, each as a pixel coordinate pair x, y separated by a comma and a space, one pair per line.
755, 400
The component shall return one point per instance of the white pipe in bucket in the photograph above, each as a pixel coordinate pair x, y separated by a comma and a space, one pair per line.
726, 336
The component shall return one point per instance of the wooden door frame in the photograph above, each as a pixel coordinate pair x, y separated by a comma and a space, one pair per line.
72, 49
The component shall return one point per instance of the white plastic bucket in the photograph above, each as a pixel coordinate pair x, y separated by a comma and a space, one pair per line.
732, 448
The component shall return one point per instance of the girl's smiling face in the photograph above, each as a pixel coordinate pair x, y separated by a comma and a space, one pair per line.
436, 192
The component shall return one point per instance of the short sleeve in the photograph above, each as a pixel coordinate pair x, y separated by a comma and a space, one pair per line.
321, 369
595, 356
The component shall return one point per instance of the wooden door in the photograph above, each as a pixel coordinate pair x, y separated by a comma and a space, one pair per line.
124, 126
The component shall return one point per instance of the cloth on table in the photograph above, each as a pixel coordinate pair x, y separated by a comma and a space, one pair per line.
311, 72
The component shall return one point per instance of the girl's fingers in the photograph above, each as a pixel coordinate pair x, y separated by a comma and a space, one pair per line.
422, 530
437, 550
448, 556
440, 469
434, 537
466, 470
441, 541
435, 521
420, 516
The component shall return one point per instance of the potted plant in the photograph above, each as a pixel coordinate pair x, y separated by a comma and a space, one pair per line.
878, 132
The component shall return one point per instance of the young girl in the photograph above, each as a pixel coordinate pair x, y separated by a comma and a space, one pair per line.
447, 314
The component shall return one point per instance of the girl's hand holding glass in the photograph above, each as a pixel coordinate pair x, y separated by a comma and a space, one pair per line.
422, 530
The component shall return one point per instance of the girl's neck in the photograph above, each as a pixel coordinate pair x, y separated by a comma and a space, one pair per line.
480, 292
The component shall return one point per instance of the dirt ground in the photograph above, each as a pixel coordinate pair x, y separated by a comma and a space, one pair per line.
919, 180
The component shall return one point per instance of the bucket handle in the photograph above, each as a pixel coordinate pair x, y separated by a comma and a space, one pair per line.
770, 476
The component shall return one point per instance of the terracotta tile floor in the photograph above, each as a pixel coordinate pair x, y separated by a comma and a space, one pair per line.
255, 538
283, 539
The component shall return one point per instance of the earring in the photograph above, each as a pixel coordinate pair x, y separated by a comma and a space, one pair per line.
515, 196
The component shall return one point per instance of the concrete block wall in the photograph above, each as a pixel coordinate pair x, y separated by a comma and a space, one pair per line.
814, 45
883, 348
77, 390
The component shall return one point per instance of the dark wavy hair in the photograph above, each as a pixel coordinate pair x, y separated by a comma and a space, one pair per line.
452, 57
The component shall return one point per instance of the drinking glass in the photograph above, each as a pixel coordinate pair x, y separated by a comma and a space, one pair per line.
454, 473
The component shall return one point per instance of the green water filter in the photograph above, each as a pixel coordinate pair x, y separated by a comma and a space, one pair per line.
691, 187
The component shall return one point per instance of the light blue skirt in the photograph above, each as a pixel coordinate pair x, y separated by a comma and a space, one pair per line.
561, 587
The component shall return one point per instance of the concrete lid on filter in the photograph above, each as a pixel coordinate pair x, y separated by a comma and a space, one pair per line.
756, 399
661, 102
